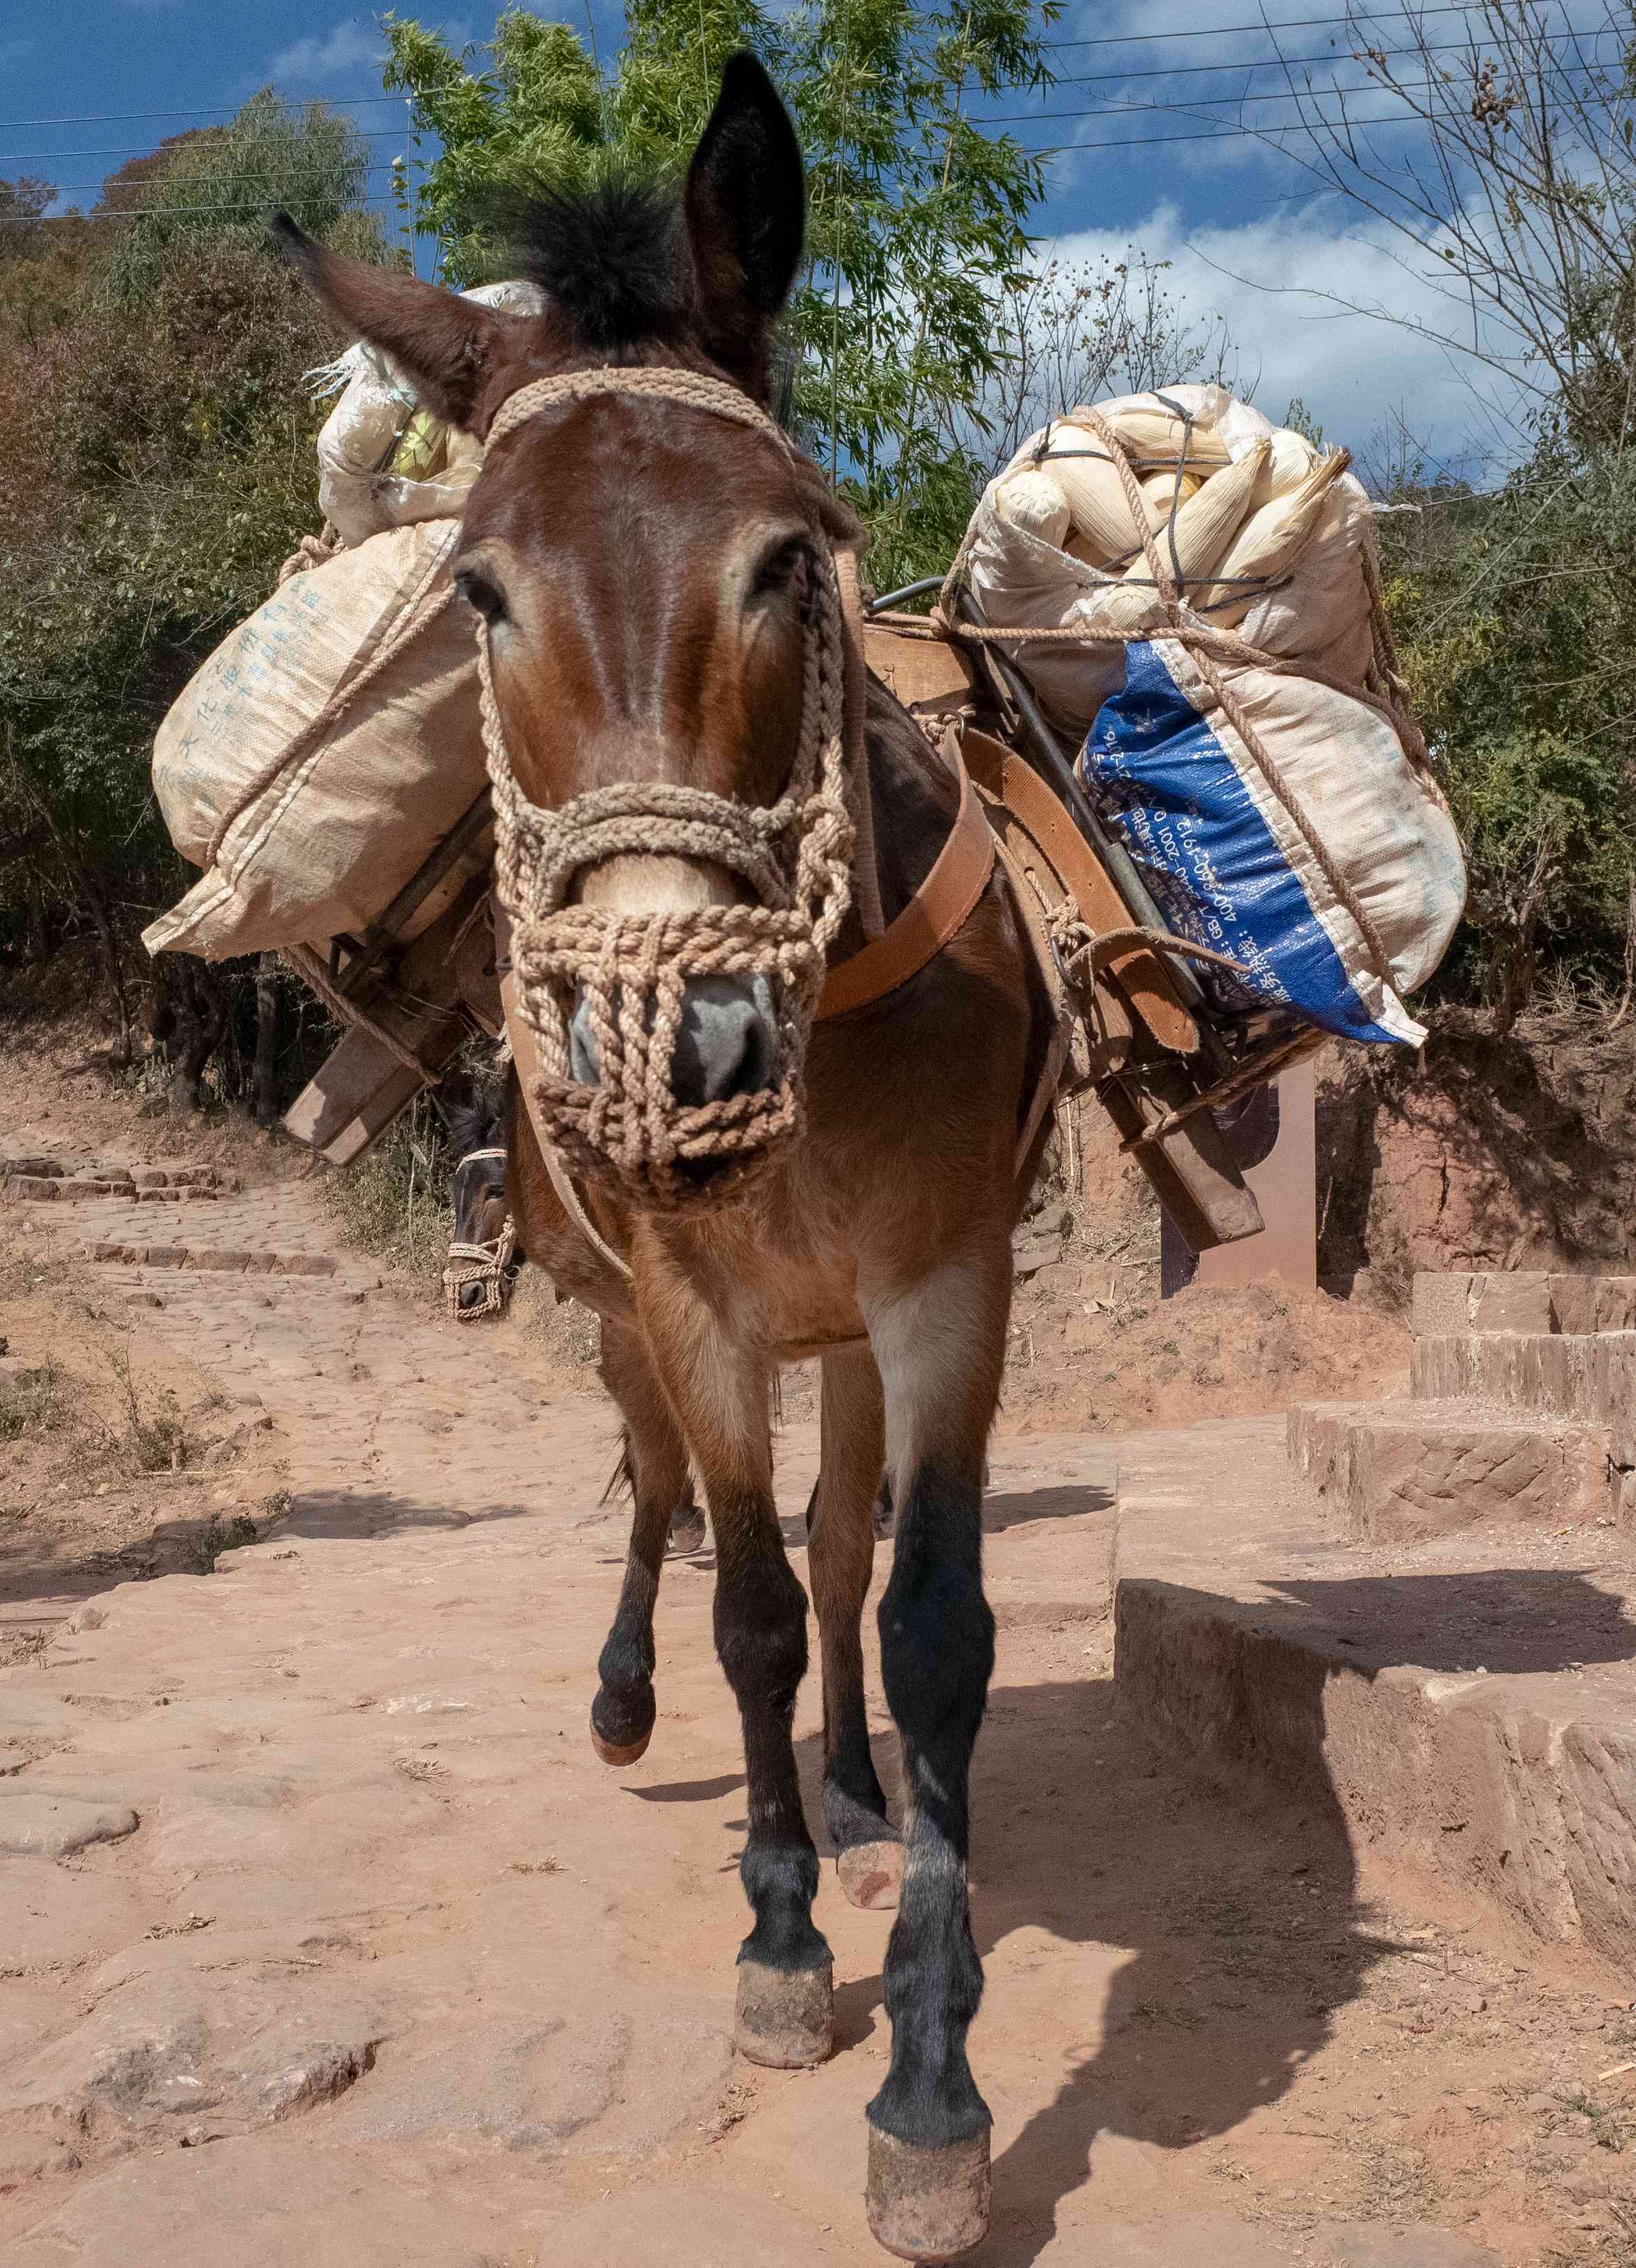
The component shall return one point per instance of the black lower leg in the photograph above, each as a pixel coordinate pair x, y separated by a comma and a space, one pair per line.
937, 1653
656, 1464
760, 1636
623, 1714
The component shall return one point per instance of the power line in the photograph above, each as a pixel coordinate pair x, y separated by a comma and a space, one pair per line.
1185, 108
1084, 79
166, 212
1291, 24
1215, 134
1358, 16
1277, 62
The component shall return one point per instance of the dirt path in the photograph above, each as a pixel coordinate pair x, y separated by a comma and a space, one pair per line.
352, 1952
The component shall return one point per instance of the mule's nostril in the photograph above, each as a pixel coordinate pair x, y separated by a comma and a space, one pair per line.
471, 1295
727, 1044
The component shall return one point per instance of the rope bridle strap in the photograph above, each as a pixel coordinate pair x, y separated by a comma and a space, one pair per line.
489, 1264
629, 971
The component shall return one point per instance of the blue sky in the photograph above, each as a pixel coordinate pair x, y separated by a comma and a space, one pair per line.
1247, 230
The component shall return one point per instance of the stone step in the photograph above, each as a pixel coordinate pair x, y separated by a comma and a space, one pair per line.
1589, 1376
202, 1256
1530, 1300
1401, 1471
1461, 1711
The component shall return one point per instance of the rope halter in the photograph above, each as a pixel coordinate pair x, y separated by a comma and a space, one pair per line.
631, 971
487, 1261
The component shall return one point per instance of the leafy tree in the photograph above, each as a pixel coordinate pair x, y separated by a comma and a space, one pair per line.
23, 204
160, 466
917, 232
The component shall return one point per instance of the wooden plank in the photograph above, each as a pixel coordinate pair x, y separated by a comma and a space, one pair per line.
1192, 1172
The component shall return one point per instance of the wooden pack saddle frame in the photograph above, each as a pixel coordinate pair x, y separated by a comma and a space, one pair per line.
1132, 1021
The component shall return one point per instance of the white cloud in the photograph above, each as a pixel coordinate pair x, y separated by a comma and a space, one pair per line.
1291, 285
350, 47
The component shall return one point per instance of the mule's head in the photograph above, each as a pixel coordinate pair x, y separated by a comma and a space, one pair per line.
639, 564
476, 1143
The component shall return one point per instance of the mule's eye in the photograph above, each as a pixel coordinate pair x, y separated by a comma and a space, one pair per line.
479, 589
778, 569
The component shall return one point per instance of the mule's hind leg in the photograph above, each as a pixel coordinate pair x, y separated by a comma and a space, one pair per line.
840, 1533
656, 1456
939, 1347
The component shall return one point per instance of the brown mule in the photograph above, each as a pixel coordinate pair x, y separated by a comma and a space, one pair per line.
641, 566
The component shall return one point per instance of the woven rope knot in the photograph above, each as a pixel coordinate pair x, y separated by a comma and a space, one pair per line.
488, 1265
627, 975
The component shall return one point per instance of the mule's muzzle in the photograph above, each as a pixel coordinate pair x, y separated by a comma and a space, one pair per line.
727, 1044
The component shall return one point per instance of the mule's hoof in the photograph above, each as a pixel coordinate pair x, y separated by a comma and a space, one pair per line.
688, 1535
612, 1753
928, 2205
785, 2018
871, 1874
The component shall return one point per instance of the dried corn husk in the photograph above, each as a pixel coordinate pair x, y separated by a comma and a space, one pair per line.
1102, 524
1268, 540
1154, 434
1033, 500
1160, 490
1201, 533
1292, 459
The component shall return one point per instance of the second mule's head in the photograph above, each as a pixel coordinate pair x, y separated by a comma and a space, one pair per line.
640, 566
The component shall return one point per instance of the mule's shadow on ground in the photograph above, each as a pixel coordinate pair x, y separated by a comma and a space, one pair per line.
1237, 1907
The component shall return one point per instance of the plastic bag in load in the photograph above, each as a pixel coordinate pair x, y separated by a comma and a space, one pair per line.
367, 483
1228, 865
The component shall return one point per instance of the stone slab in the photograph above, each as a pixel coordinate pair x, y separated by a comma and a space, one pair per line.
1442, 1708
36, 1824
1590, 1376
1404, 1471
1532, 1301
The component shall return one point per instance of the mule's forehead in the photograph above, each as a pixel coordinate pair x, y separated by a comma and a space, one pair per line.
623, 470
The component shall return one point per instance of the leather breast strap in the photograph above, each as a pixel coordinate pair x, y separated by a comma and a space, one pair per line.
938, 912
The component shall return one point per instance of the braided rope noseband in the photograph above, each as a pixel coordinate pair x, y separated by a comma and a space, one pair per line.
487, 1263
630, 970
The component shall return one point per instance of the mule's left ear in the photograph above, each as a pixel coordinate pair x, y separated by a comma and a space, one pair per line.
746, 207
463, 357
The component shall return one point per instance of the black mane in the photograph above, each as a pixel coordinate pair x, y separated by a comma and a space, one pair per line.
606, 256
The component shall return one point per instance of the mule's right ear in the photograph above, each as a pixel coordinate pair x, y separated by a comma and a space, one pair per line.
463, 358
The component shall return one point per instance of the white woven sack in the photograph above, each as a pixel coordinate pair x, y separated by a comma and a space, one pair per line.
320, 828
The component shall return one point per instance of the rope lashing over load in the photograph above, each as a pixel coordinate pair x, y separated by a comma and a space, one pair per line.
1214, 652
487, 1263
630, 970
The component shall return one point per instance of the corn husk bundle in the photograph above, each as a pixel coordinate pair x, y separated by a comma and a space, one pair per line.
1237, 511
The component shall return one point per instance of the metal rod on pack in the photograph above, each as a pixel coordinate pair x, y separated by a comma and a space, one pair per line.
1065, 780
919, 590
381, 935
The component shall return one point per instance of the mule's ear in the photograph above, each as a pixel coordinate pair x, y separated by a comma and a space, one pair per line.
459, 354
746, 207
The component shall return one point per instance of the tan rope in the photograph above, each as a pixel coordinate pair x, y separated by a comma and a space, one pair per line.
1208, 647
629, 971
485, 1263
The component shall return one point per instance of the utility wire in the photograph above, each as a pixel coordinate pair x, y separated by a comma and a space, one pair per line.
1359, 18
1086, 78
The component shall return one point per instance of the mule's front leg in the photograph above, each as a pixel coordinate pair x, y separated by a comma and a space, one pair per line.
656, 1462
940, 1352
721, 1394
